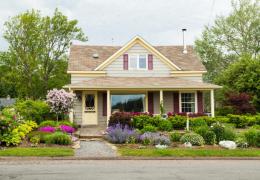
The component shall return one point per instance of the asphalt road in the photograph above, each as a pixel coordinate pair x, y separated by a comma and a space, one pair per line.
131, 169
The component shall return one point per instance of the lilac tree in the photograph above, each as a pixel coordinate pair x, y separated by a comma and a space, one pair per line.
60, 101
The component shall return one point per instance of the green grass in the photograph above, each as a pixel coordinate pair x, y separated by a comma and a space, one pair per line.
37, 151
177, 152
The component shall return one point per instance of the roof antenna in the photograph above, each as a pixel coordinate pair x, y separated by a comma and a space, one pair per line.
183, 38
112, 40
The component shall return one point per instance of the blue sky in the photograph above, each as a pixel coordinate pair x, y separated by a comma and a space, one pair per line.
157, 21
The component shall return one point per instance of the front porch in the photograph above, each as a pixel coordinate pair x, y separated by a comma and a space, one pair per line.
93, 108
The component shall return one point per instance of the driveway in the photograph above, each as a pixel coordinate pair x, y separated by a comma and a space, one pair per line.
131, 169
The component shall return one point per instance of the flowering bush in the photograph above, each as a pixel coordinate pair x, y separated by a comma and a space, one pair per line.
154, 139
121, 134
47, 129
67, 129
60, 101
193, 138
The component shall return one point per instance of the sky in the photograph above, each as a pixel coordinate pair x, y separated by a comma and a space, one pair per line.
115, 22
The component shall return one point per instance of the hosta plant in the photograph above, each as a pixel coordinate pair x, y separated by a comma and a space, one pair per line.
193, 138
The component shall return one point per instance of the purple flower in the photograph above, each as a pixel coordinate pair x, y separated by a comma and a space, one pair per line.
67, 129
47, 129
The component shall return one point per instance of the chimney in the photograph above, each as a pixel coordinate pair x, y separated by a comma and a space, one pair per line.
183, 38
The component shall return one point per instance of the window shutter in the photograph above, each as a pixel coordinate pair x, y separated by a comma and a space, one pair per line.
150, 62
200, 101
125, 59
176, 102
150, 102
104, 104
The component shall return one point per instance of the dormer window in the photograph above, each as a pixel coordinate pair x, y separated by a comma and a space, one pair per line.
138, 61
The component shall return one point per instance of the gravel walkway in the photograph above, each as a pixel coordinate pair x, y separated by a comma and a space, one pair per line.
95, 148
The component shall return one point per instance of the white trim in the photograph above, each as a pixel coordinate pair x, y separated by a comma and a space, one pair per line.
108, 106
212, 103
195, 99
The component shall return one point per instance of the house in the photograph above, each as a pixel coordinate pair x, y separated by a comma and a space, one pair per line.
136, 77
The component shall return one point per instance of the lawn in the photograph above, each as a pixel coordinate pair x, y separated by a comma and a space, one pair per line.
181, 152
37, 151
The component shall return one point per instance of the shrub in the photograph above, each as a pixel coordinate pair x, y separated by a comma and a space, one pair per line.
178, 122
121, 118
47, 129
154, 139
239, 121
202, 130
193, 138
223, 111
67, 123
175, 137
149, 128
58, 138
33, 110
165, 125
35, 140
141, 121
241, 141
223, 133
42, 135
119, 134
48, 123
210, 138
252, 136
67, 129
196, 122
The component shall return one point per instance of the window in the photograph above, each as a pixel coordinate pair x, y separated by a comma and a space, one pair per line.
138, 61
90, 102
127, 102
187, 102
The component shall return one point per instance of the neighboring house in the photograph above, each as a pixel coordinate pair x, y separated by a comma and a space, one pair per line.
135, 78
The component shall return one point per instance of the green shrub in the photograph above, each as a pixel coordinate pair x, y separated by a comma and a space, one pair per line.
224, 111
196, 122
165, 125
58, 138
229, 134
223, 133
33, 110
210, 138
241, 141
201, 130
140, 121
41, 134
67, 123
239, 121
149, 128
35, 140
175, 137
221, 119
193, 138
48, 123
178, 122
252, 136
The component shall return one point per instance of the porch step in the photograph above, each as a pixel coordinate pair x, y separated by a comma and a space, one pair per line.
90, 132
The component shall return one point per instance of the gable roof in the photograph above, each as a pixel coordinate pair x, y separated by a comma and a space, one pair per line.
81, 56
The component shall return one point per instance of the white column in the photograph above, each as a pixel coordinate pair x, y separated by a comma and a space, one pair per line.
212, 102
108, 106
161, 99
71, 112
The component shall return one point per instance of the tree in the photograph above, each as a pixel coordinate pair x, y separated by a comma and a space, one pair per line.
37, 46
60, 101
230, 37
243, 76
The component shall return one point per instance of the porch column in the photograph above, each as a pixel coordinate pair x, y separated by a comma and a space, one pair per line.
212, 103
161, 99
108, 106
71, 112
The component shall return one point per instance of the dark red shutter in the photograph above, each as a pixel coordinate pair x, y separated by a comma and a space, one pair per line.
150, 62
104, 104
200, 101
125, 59
176, 102
150, 102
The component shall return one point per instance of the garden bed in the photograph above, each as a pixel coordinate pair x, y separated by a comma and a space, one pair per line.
37, 151
207, 151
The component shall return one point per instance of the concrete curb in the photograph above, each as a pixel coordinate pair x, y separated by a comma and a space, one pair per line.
13, 158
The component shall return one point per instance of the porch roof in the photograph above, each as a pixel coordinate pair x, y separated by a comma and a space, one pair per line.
140, 83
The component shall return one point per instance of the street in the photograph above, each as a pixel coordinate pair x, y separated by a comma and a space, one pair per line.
130, 169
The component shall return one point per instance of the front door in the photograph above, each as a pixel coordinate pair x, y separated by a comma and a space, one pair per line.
89, 103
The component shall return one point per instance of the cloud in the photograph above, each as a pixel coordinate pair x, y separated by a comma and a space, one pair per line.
158, 21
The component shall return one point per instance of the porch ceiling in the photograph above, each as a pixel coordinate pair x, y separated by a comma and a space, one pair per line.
140, 83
